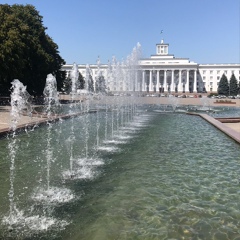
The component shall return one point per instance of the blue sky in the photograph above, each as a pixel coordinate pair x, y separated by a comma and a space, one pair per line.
205, 31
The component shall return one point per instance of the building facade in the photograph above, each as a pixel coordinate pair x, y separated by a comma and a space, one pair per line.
162, 73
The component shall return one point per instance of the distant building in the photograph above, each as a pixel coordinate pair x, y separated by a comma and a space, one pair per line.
164, 73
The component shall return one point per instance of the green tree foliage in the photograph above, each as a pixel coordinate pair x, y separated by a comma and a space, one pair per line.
100, 85
223, 87
90, 84
67, 84
81, 81
27, 53
233, 86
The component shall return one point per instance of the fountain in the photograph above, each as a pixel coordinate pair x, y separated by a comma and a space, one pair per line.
16, 220
205, 104
67, 182
173, 102
74, 74
19, 102
74, 79
49, 194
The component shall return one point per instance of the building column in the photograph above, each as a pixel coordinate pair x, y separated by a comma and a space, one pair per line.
158, 82
165, 81
195, 82
172, 83
187, 82
180, 85
143, 81
150, 80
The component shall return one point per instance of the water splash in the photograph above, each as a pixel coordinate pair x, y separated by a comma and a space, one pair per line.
51, 194
50, 93
74, 78
17, 222
173, 102
20, 102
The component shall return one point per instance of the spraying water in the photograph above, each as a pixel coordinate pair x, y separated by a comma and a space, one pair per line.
51, 194
173, 102
20, 101
87, 107
74, 78
122, 76
50, 100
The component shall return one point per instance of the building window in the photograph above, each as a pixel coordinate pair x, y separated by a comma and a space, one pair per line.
218, 78
211, 78
165, 49
204, 72
211, 72
232, 71
211, 83
218, 72
204, 78
225, 72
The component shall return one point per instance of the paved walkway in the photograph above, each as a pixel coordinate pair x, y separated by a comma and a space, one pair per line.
5, 119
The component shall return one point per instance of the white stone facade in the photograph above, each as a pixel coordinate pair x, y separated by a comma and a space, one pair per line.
164, 73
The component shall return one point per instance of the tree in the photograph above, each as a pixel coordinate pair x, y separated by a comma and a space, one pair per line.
100, 85
223, 87
81, 81
67, 84
90, 84
27, 53
233, 86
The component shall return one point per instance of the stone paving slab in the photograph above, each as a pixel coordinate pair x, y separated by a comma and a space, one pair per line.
27, 121
228, 129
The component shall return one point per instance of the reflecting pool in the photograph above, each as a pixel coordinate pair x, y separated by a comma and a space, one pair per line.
166, 176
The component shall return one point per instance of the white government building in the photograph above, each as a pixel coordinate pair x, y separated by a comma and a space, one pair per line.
164, 73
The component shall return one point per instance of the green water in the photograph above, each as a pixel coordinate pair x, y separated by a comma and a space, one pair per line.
176, 178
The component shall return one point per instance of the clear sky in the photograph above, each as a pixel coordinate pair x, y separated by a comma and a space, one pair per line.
205, 31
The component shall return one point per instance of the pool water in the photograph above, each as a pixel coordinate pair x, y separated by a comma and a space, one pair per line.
175, 177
